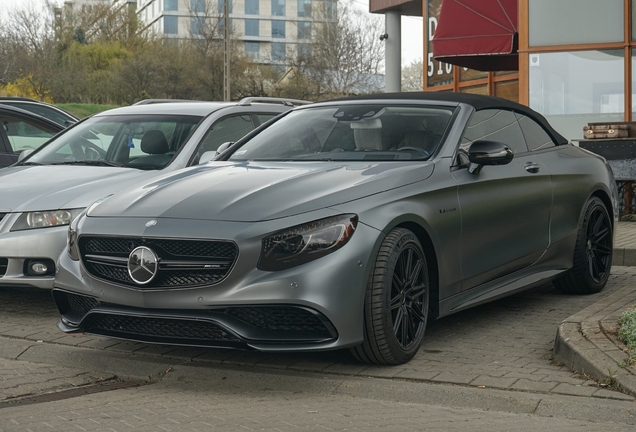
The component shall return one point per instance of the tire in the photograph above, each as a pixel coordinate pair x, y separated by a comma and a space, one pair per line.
592, 254
396, 307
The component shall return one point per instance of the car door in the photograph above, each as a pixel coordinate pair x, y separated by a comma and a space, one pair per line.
505, 209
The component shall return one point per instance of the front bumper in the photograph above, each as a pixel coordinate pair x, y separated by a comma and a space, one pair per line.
314, 306
18, 248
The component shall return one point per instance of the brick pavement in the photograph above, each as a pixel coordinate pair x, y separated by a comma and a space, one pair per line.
506, 344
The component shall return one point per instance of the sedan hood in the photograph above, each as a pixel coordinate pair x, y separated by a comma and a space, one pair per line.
51, 187
257, 191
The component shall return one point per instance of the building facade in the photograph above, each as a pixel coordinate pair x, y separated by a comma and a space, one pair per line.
270, 31
575, 58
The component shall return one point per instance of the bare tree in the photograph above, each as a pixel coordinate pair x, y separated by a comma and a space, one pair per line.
413, 76
344, 56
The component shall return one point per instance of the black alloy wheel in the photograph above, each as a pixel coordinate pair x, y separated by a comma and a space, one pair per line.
593, 252
396, 303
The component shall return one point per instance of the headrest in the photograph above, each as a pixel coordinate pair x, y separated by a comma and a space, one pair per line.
154, 142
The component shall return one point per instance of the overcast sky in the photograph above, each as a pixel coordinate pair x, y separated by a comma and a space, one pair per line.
412, 36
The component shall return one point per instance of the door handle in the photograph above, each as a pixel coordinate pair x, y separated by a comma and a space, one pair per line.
532, 167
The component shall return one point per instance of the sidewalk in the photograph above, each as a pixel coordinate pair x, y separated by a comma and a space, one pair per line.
587, 341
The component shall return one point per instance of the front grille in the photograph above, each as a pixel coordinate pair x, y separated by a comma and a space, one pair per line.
182, 263
4, 263
157, 329
283, 319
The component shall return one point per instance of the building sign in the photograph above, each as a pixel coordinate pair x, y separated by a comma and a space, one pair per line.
437, 73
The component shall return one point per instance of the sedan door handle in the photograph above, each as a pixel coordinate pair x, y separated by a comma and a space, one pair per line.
532, 167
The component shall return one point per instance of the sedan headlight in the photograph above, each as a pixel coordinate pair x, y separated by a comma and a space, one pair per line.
307, 242
45, 219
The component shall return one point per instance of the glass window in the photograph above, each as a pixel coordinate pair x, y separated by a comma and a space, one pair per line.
262, 118
278, 52
351, 132
560, 22
251, 7
304, 51
252, 49
228, 129
329, 11
278, 29
170, 24
221, 6
23, 135
507, 90
494, 125
278, 7
480, 89
536, 137
251, 27
304, 8
573, 88
197, 25
304, 30
170, 5
136, 141
197, 6
466, 74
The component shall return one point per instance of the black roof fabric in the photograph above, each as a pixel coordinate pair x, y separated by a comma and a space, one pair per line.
479, 102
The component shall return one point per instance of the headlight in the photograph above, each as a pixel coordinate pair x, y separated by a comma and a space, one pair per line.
304, 243
73, 249
45, 219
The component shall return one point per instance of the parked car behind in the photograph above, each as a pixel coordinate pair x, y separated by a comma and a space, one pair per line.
40, 195
46, 110
22, 130
348, 223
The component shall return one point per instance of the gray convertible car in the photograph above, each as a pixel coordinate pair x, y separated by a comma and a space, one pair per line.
348, 223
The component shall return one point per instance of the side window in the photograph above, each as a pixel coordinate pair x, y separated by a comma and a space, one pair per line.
23, 135
536, 137
494, 125
227, 129
262, 118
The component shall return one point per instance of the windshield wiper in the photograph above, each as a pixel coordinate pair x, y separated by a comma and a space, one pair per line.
89, 163
29, 163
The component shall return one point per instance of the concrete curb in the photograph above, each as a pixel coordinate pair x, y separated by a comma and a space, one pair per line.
587, 343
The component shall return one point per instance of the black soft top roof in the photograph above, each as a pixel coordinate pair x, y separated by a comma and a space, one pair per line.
479, 102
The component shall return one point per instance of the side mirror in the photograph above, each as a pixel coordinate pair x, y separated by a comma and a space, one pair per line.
207, 156
223, 147
484, 152
24, 154
211, 155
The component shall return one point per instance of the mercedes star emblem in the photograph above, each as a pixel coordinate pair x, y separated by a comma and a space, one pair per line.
143, 265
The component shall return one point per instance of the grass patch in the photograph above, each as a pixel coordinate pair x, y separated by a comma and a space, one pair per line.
85, 110
627, 332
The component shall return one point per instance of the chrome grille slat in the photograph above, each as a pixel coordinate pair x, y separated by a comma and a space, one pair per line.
182, 263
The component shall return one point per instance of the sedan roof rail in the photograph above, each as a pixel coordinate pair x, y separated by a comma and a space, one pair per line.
284, 101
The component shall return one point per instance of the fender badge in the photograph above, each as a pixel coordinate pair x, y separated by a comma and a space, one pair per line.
151, 223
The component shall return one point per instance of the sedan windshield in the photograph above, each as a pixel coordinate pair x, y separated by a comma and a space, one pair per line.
350, 132
135, 141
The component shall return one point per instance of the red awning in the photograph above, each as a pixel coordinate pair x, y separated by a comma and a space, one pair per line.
478, 34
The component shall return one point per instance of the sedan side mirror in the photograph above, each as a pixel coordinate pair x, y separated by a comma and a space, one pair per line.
484, 152
24, 154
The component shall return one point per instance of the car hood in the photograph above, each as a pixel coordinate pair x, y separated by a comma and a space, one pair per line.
257, 191
51, 187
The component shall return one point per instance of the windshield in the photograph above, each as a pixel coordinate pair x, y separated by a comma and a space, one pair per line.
135, 141
350, 132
